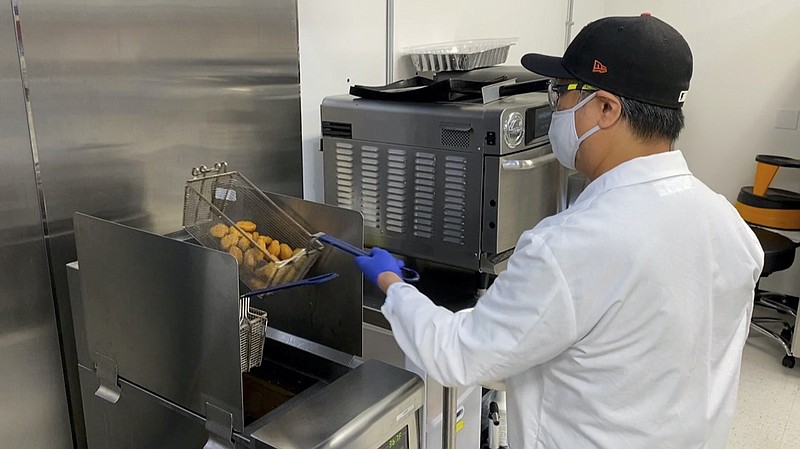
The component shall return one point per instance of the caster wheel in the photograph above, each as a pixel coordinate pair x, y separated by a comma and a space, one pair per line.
788, 362
786, 335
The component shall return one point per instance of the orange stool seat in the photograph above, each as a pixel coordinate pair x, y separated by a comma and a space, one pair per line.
764, 206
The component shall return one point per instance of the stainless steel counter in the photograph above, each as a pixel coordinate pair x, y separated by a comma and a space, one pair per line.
360, 410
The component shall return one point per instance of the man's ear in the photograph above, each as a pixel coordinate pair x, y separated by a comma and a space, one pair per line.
610, 109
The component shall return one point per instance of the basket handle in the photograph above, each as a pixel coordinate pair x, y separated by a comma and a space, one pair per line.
406, 273
218, 167
310, 281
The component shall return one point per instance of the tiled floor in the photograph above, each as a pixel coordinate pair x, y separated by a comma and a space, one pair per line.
768, 407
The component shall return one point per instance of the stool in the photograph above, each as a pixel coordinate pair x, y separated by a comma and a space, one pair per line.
779, 252
762, 205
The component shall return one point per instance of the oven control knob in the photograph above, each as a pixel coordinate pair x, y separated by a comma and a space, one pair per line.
514, 129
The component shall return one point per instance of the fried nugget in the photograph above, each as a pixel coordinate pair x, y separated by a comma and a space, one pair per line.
219, 230
269, 271
234, 231
243, 243
296, 251
257, 284
236, 253
274, 248
228, 241
246, 226
285, 251
257, 254
249, 261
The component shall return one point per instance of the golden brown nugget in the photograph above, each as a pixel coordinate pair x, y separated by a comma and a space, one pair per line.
257, 284
269, 271
219, 230
249, 261
243, 243
260, 243
228, 241
236, 253
274, 248
246, 226
255, 236
234, 231
258, 256
296, 251
286, 251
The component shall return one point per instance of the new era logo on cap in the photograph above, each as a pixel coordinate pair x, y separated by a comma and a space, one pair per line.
682, 96
599, 67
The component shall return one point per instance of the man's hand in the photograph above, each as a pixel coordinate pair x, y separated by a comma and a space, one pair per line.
379, 261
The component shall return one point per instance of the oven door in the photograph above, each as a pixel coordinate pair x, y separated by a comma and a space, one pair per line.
520, 189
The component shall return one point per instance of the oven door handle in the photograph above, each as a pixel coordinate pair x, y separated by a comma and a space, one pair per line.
461, 127
527, 164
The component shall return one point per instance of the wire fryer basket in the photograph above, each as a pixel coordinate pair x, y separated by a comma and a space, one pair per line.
252, 332
228, 212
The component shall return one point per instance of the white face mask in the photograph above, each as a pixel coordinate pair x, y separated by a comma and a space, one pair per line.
563, 135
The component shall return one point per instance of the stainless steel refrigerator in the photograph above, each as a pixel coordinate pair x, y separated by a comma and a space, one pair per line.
106, 106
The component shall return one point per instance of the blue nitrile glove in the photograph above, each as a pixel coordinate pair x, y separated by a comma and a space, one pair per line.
378, 261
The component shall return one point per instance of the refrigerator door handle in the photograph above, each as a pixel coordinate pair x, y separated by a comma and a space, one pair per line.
107, 374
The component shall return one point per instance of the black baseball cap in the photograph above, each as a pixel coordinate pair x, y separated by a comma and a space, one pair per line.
640, 57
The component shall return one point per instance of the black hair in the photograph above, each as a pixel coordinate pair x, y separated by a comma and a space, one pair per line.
650, 122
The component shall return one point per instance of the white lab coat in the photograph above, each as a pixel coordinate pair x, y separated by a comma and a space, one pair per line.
619, 322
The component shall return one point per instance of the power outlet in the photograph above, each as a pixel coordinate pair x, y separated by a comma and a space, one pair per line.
786, 119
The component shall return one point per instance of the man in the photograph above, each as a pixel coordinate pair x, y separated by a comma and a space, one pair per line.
619, 322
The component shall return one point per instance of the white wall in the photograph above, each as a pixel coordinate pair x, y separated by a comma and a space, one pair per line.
746, 67
341, 43
585, 11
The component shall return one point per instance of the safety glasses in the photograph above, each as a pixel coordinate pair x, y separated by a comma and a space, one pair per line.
554, 91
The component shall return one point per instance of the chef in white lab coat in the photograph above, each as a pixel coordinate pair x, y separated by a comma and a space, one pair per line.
619, 322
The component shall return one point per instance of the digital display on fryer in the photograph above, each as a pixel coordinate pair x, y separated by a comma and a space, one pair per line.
537, 123
397, 441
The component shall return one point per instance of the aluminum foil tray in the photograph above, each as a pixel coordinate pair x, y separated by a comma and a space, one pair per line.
460, 55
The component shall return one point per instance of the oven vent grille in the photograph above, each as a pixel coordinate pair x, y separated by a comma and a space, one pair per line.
337, 129
396, 191
455, 196
455, 138
424, 194
370, 188
344, 175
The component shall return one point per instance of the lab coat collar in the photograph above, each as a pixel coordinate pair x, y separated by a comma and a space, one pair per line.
637, 171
